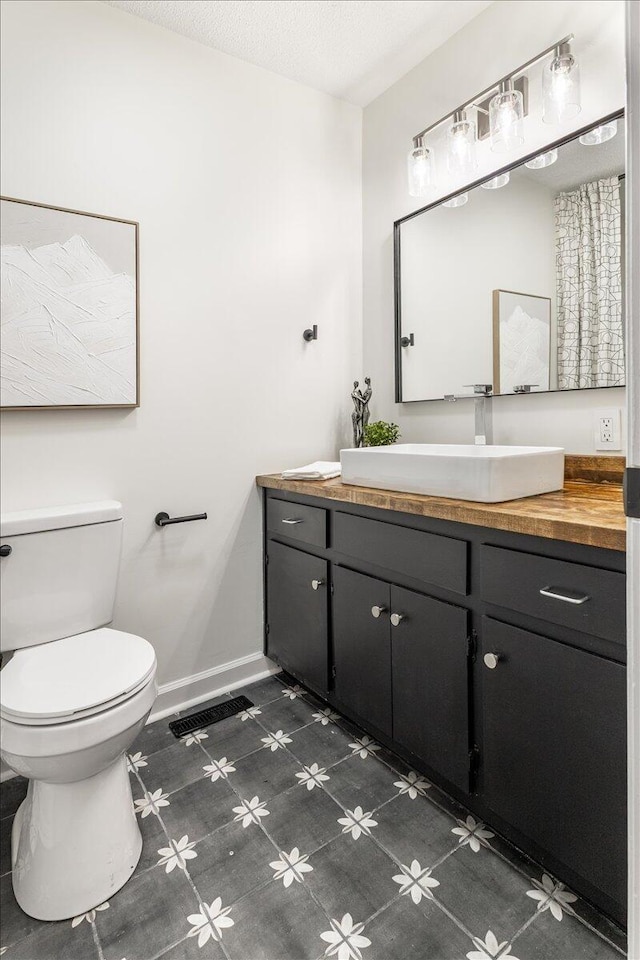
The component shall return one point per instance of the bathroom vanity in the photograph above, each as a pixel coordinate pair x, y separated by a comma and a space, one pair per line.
483, 643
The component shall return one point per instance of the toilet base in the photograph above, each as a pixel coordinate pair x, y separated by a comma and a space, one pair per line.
73, 845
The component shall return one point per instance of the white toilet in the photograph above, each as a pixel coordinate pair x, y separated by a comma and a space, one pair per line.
73, 696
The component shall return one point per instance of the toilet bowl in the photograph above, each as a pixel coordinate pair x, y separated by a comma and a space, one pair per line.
70, 708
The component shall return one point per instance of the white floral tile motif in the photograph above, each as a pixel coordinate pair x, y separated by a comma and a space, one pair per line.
292, 693
276, 740
90, 916
357, 822
291, 866
177, 854
326, 716
412, 784
551, 896
209, 922
250, 713
490, 949
136, 760
250, 811
416, 882
151, 802
473, 833
218, 769
313, 776
364, 747
196, 737
345, 939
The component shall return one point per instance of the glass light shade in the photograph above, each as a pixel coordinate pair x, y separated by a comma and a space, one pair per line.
420, 171
600, 134
496, 182
506, 113
457, 201
542, 160
461, 147
561, 87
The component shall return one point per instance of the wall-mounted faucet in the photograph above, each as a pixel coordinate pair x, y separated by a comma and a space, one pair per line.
483, 408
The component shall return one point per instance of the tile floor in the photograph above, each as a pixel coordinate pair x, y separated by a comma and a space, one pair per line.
284, 833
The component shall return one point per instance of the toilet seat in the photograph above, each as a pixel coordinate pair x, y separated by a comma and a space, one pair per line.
75, 677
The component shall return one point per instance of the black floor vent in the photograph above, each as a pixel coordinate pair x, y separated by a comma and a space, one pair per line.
179, 728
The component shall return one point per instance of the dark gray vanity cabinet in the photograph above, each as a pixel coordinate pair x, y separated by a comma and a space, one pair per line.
297, 638
554, 749
493, 662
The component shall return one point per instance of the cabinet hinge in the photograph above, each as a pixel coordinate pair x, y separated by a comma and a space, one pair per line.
333, 671
331, 587
266, 559
474, 759
472, 646
266, 629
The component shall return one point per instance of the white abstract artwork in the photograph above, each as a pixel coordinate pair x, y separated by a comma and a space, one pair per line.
521, 341
69, 332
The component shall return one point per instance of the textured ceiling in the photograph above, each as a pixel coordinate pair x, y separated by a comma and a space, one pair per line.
353, 49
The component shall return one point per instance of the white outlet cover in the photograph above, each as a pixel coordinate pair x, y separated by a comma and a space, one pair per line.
613, 414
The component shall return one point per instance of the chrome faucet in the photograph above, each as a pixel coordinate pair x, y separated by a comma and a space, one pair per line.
483, 408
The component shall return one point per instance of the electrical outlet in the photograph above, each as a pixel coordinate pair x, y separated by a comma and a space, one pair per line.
607, 429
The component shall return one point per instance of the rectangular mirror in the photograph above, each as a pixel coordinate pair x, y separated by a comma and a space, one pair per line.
520, 285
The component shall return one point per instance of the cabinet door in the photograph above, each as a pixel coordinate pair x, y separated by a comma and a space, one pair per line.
554, 751
361, 646
430, 683
298, 614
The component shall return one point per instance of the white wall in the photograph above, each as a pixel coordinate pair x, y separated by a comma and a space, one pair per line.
504, 35
247, 189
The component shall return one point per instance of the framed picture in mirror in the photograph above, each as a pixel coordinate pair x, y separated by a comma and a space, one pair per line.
521, 342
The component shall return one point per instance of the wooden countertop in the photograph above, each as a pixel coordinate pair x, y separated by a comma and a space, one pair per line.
583, 512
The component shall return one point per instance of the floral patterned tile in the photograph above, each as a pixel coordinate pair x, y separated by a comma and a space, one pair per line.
565, 939
482, 890
351, 875
199, 808
173, 767
264, 691
415, 829
404, 931
231, 862
321, 744
155, 736
15, 924
276, 923
188, 949
286, 714
303, 818
56, 940
266, 772
369, 783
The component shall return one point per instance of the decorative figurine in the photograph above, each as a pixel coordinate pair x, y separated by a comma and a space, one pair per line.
361, 414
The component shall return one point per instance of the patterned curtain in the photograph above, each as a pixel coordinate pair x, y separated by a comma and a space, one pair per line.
589, 286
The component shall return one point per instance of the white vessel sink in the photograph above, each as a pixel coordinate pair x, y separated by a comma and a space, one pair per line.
488, 474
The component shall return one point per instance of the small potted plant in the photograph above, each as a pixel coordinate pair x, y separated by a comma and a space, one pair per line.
380, 434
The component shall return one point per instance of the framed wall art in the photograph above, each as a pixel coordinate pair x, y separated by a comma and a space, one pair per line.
70, 309
521, 341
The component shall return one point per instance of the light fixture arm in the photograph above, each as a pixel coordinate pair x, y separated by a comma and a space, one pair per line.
559, 45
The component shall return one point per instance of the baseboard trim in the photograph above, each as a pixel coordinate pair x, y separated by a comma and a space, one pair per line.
179, 695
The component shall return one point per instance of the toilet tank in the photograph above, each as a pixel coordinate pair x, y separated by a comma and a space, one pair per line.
59, 576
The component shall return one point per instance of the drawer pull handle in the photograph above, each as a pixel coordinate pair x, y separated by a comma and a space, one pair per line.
491, 660
317, 583
556, 594
376, 611
396, 618
291, 521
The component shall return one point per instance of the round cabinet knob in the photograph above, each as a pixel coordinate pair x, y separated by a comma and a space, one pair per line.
5, 549
317, 583
491, 660
396, 618
376, 611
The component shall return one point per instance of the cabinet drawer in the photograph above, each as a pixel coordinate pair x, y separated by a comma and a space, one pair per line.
572, 595
298, 522
441, 561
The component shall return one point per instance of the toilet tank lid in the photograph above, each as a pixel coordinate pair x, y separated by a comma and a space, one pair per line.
57, 518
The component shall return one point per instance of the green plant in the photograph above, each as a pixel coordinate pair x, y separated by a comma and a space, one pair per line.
381, 434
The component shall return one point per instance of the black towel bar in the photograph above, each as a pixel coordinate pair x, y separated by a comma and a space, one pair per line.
163, 519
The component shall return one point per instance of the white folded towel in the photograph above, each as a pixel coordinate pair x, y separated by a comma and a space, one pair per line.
320, 470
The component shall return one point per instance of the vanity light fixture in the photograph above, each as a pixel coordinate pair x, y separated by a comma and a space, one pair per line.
561, 86
420, 168
542, 160
461, 145
506, 115
496, 182
458, 201
497, 113
600, 134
